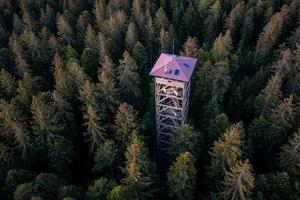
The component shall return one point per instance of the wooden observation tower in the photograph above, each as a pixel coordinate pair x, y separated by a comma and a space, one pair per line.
172, 88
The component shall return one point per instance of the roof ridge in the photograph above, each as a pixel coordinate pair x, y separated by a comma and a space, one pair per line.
183, 71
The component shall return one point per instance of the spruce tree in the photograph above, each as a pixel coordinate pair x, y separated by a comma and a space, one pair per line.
225, 153
185, 138
138, 178
126, 121
238, 182
289, 156
182, 177
129, 79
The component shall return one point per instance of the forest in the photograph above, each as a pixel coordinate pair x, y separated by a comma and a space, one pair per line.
77, 108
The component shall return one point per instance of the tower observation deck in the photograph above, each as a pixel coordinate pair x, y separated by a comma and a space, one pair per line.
172, 88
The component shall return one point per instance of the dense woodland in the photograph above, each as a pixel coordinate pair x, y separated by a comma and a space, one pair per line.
77, 117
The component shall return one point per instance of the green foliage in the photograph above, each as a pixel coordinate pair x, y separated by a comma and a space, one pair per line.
289, 156
105, 155
17, 177
129, 79
126, 121
25, 191
186, 139
119, 192
90, 112
273, 186
48, 185
217, 127
182, 177
90, 61
100, 189
138, 169
70, 191
225, 153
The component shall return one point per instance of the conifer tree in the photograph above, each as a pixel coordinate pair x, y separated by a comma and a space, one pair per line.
271, 32
270, 96
289, 156
131, 36
46, 122
137, 175
185, 139
107, 88
64, 28
129, 79
105, 156
217, 127
93, 120
27, 87
14, 122
161, 21
100, 13
90, 62
126, 122
7, 85
225, 153
190, 47
222, 46
182, 177
165, 40
90, 39
238, 182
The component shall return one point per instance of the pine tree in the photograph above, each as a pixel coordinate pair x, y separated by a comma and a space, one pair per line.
289, 156
182, 177
161, 21
100, 189
222, 46
225, 153
217, 127
190, 47
239, 182
108, 89
185, 139
271, 32
7, 85
126, 121
165, 40
105, 156
90, 62
131, 36
64, 28
27, 87
283, 114
93, 120
137, 177
270, 96
46, 122
14, 122
100, 13
129, 79
90, 39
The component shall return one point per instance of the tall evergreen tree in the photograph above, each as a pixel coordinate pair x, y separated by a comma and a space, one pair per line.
225, 153
289, 156
182, 177
129, 79
126, 121
137, 173
239, 181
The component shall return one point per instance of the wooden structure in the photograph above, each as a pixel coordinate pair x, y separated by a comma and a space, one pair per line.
172, 88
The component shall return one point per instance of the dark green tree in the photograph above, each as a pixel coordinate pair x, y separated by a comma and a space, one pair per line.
182, 177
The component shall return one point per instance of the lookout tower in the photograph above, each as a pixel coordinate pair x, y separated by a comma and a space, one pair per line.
172, 88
